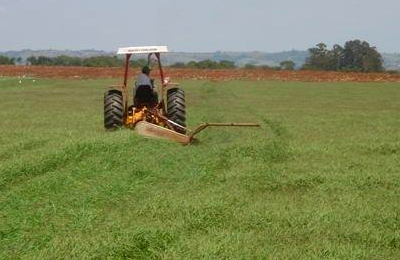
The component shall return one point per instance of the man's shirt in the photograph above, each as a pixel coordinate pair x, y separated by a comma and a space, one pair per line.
143, 79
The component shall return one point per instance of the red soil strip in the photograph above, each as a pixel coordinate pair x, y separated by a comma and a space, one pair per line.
202, 74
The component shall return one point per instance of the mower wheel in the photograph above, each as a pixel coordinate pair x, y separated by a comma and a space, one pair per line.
176, 109
113, 109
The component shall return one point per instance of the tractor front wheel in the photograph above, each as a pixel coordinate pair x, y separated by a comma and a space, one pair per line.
113, 109
176, 109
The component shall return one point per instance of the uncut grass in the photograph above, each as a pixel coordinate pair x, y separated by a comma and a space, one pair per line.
320, 179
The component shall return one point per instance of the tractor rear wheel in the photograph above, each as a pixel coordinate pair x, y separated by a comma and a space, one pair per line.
113, 109
176, 109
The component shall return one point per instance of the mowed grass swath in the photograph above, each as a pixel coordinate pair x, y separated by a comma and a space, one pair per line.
319, 180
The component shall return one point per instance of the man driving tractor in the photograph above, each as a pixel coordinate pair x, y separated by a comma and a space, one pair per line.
145, 91
164, 120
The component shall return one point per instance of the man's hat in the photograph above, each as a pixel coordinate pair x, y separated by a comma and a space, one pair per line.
146, 69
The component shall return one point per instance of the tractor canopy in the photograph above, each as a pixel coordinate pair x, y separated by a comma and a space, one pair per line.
150, 50
143, 50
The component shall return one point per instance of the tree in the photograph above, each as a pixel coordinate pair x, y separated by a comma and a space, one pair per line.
354, 56
102, 61
206, 64
264, 67
32, 60
138, 63
226, 64
4, 60
45, 61
191, 64
178, 65
360, 56
250, 66
287, 65
320, 58
64, 60
335, 57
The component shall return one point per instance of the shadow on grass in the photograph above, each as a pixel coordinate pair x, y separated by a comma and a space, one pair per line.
269, 150
383, 149
207, 217
144, 244
73, 154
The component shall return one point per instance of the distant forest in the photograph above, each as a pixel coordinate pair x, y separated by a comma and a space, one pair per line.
355, 55
114, 61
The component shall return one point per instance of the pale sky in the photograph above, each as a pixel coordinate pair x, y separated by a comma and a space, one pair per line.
202, 25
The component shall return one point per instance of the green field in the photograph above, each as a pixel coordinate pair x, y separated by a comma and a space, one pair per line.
319, 180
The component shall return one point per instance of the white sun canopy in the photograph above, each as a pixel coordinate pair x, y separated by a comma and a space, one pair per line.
142, 49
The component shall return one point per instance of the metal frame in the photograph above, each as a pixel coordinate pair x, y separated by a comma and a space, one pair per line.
164, 80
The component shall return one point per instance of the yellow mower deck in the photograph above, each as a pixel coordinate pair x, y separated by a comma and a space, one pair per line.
154, 131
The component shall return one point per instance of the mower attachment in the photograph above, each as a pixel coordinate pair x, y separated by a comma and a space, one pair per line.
201, 127
151, 130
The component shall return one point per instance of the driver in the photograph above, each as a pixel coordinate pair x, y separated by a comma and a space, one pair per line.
145, 91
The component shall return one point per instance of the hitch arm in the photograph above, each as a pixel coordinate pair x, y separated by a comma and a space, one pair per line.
205, 125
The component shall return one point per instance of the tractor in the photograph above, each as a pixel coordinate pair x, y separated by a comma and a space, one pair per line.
163, 118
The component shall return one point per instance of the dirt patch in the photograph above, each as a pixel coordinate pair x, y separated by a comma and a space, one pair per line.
205, 74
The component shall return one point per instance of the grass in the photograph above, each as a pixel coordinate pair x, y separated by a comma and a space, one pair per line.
319, 180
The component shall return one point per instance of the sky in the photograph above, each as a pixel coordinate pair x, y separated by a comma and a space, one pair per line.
197, 25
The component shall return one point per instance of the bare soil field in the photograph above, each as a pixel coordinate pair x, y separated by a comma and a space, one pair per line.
206, 74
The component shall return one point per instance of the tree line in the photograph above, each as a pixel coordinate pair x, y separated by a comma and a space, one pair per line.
284, 65
205, 64
225, 64
355, 55
114, 61
97, 61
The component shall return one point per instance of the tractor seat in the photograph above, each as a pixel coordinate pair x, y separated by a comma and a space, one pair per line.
145, 96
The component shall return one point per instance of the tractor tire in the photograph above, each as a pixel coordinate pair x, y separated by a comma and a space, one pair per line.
176, 109
113, 110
